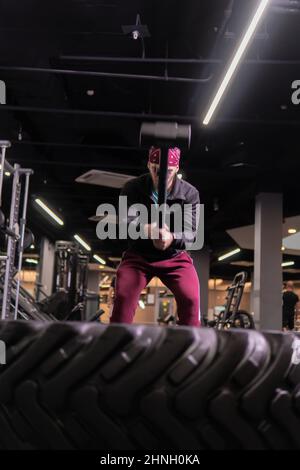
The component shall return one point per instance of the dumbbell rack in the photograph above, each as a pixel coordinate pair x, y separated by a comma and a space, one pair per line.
15, 232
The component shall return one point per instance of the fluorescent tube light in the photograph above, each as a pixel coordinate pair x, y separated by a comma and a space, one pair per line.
230, 253
82, 242
100, 260
49, 212
235, 61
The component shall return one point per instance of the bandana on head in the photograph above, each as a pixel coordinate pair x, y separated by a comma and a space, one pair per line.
173, 156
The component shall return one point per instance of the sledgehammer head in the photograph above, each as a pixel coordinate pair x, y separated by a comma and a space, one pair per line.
168, 134
5, 144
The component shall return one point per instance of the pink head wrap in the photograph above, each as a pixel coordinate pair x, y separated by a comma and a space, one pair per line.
173, 156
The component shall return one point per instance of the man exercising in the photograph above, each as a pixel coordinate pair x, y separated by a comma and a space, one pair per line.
162, 252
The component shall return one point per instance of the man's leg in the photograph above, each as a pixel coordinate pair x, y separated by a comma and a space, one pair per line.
181, 278
291, 321
285, 321
132, 278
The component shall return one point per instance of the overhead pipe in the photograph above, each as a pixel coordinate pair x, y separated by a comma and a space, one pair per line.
289, 6
48, 70
90, 73
177, 61
137, 60
81, 164
144, 116
107, 114
78, 145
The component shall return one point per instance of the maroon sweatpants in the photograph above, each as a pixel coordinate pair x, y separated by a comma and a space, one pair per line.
177, 273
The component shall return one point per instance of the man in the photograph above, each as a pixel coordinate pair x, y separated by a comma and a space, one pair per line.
162, 253
289, 300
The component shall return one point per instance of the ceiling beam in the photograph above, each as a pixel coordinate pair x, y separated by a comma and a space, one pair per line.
144, 116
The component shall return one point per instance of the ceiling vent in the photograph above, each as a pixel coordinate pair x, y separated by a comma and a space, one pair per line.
104, 178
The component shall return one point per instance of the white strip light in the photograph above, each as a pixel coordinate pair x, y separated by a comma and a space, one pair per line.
236, 59
231, 253
31, 261
49, 212
82, 242
142, 304
288, 263
100, 260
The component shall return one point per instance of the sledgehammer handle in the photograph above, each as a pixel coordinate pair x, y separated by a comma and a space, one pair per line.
162, 184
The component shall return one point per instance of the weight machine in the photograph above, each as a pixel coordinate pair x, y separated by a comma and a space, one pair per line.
11, 260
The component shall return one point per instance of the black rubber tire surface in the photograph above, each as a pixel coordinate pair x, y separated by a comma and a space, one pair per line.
89, 386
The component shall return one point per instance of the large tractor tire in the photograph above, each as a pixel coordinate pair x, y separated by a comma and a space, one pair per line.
118, 387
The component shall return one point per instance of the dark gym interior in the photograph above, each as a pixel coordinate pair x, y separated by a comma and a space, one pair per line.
203, 341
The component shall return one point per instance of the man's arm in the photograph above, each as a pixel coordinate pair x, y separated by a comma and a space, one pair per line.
189, 225
190, 222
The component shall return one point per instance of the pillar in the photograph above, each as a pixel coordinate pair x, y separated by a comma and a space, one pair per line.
201, 259
267, 297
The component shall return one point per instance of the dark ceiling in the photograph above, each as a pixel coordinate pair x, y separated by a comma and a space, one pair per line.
52, 53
